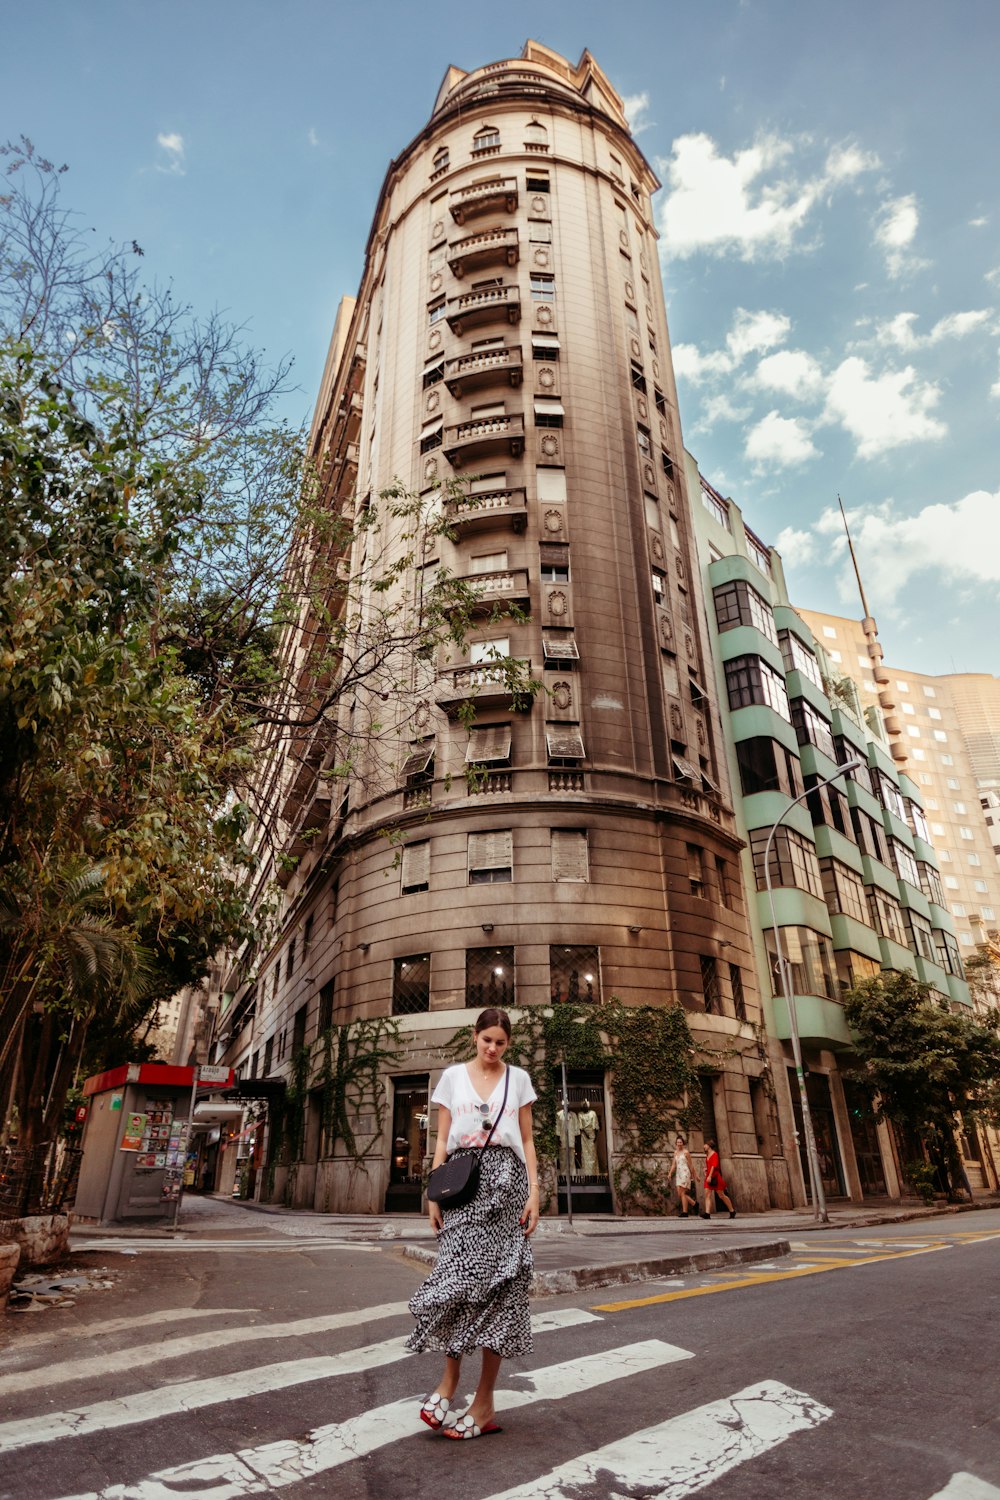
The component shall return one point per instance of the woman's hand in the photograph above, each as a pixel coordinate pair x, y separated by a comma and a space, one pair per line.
529, 1214
436, 1217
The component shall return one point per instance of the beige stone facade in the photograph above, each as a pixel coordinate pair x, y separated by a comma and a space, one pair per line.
510, 325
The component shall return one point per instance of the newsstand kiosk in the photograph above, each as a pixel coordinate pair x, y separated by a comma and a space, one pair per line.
137, 1138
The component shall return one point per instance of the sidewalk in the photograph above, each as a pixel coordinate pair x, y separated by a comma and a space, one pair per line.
596, 1251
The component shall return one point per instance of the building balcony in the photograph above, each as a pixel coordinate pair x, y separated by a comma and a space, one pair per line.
352, 415
490, 305
491, 247
488, 196
484, 437
485, 511
490, 590
482, 684
492, 367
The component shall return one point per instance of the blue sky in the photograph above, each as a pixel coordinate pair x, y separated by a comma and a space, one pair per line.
830, 226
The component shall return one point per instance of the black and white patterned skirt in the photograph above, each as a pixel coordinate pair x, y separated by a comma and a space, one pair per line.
476, 1297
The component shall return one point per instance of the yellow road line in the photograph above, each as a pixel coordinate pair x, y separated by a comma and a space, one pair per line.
761, 1279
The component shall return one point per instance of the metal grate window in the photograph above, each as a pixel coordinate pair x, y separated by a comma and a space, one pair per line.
710, 984
411, 984
739, 997
574, 975
489, 977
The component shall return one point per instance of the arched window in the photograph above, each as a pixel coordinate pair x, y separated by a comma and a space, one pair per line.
486, 138
536, 137
440, 158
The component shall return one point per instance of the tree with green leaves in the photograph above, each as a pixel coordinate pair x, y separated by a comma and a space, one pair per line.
925, 1064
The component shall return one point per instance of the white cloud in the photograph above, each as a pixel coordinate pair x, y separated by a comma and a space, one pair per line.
898, 331
781, 441
635, 107
173, 144
978, 223
720, 408
960, 540
895, 232
796, 547
882, 412
750, 204
793, 372
993, 277
753, 331
312, 137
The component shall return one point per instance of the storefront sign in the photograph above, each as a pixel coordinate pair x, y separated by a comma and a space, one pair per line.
213, 1074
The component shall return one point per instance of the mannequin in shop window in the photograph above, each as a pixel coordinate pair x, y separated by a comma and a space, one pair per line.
589, 1125
568, 1128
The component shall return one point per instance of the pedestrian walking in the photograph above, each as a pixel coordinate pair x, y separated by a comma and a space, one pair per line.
476, 1296
682, 1171
715, 1184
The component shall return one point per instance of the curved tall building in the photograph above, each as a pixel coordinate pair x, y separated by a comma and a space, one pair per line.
510, 331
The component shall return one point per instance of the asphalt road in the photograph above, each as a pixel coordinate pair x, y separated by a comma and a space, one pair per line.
865, 1364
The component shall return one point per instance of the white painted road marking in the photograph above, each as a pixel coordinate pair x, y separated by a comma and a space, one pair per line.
254, 1471
126, 1325
149, 1247
967, 1487
685, 1453
164, 1401
224, 1337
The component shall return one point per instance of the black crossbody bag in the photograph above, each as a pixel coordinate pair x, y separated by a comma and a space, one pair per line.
454, 1182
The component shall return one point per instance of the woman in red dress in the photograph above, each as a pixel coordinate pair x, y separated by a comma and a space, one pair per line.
714, 1182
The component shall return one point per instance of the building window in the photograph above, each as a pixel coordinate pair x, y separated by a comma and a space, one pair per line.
710, 990
889, 795
548, 412
915, 818
843, 890
431, 437
486, 139
904, 863
415, 862
411, 984
810, 959
798, 657
299, 1030
845, 752
268, 1057
659, 579
436, 310
829, 807
491, 857
539, 233
553, 562
441, 158
544, 346
326, 1006
750, 680
642, 436
489, 977
854, 968
793, 861
759, 554
726, 895
574, 975
738, 603
965, 833
739, 996
536, 184
696, 869
570, 855
638, 379
667, 463
811, 728
543, 288
767, 766
921, 940
433, 373
716, 506
550, 484
290, 965
930, 882
886, 917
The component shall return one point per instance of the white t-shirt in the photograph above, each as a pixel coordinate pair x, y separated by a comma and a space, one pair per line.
456, 1093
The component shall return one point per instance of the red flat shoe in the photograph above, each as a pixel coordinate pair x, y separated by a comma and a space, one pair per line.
467, 1427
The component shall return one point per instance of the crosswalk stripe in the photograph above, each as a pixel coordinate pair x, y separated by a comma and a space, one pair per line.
92, 1331
143, 1406
179, 1348
686, 1452
967, 1487
252, 1471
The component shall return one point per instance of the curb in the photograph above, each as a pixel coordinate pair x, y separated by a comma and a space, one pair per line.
622, 1273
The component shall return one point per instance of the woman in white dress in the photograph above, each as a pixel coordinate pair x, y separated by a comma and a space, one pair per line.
476, 1296
682, 1171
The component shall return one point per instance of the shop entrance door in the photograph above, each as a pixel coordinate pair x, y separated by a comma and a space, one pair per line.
584, 1134
825, 1130
865, 1138
409, 1144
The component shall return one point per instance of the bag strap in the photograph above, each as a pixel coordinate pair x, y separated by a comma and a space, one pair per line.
496, 1122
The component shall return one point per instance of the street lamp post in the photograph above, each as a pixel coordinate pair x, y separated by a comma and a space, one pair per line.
812, 1155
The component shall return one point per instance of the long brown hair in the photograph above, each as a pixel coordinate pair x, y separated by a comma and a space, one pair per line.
492, 1016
